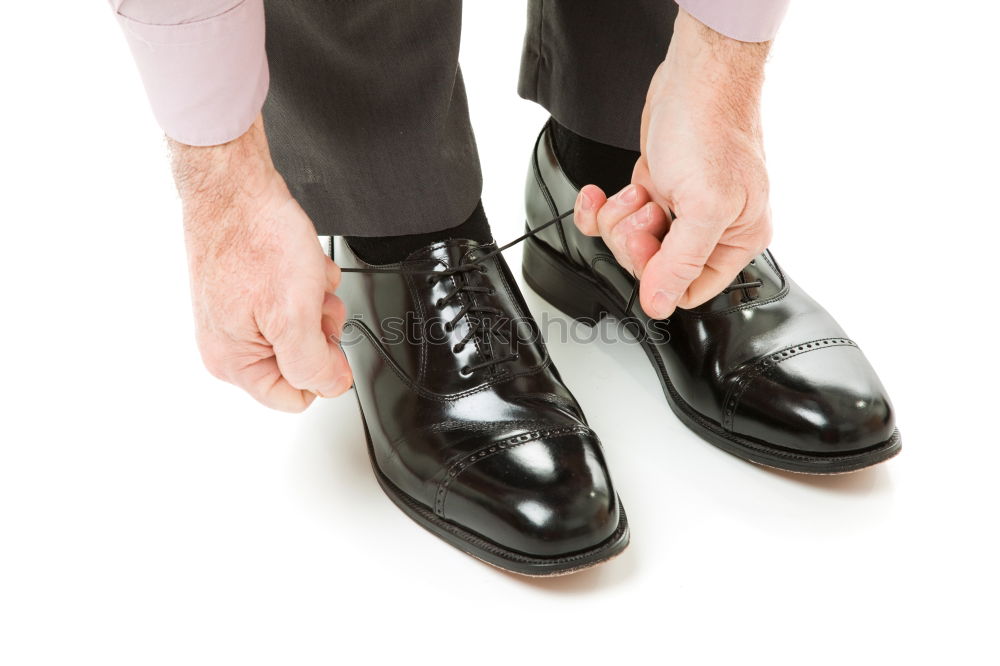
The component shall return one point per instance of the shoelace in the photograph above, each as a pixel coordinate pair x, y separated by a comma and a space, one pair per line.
744, 285
476, 264
472, 262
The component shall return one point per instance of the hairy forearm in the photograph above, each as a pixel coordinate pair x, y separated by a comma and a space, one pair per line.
725, 74
261, 287
214, 179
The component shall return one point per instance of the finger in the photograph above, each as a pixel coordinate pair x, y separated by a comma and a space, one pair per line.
588, 202
730, 256
721, 269
332, 275
334, 316
308, 359
263, 381
640, 235
641, 176
679, 262
626, 202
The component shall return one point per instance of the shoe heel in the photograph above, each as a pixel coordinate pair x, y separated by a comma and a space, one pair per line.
554, 279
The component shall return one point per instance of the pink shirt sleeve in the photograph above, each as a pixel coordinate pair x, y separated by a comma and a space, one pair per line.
205, 70
202, 63
745, 20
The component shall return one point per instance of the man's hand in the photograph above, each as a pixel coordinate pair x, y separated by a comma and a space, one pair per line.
265, 313
703, 161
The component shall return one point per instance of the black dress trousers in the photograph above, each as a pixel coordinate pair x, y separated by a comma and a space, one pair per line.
367, 116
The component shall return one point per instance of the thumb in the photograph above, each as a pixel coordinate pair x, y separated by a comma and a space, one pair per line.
310, 360
678, 263
332, 275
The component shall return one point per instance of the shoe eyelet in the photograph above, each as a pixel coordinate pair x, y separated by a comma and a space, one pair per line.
449, 327
431, 280
457, 349
439, 304
491, 292
466, 370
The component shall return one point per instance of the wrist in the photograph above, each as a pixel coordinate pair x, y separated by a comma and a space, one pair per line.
723, 75
215, 180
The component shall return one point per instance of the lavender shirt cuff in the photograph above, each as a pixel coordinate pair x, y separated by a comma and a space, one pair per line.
745, 20
206, 79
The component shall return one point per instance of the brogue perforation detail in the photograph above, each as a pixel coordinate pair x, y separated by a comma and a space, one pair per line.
764, 365
503, 445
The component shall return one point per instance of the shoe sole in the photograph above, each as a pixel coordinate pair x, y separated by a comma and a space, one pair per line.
491, 552
560, 283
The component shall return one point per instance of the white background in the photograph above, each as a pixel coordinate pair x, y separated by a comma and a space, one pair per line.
150, 514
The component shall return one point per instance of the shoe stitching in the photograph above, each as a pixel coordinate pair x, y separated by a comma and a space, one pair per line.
485, 429
745, 376
488, 450
424, 352
762, 448
773, 263
488, 428
608, 259
524, 315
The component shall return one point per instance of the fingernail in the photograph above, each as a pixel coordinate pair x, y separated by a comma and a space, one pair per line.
585, 202
637, 221
628, 195
663, 303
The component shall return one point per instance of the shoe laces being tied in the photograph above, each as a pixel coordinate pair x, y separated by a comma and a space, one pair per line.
475, 263
463, 273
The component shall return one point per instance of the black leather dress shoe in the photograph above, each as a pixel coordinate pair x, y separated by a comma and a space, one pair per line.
471, 432
761, 371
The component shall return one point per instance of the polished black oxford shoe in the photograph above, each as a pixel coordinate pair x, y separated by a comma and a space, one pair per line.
470, 429
761, 371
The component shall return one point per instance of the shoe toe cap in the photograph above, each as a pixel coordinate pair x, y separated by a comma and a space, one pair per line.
545, 496
827, 401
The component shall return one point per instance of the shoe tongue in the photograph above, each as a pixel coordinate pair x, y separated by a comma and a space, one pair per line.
451, 252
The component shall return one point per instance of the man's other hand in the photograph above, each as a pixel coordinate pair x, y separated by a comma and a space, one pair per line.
702, 160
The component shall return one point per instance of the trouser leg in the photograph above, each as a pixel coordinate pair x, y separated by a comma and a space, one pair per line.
589, 62
367, 116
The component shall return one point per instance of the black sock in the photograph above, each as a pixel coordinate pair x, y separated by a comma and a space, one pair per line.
588, 162
390, 249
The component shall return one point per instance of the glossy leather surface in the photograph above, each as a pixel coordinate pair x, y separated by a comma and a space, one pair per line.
765, 362
504, 450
